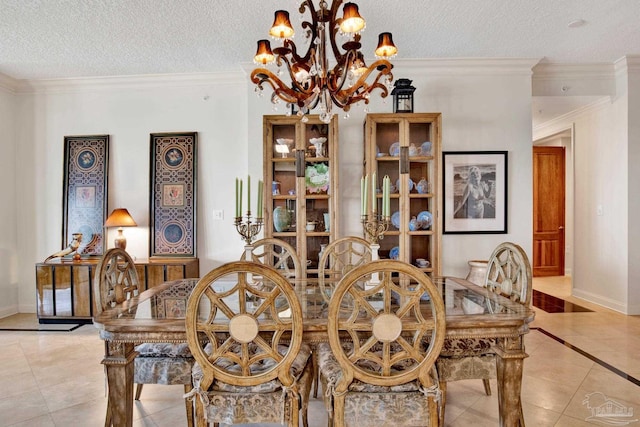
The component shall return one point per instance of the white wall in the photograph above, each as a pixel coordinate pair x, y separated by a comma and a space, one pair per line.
485, 105
8, 237
633, 195
129, 109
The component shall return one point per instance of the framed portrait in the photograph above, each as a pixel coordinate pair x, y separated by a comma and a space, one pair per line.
86, 163
173, 194
475, 192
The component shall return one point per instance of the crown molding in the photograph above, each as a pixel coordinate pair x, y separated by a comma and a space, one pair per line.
150, 81
628, 64
8, 84
565, 121
469, 66
554, 71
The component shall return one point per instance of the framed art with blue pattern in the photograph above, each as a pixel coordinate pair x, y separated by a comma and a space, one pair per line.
86, 165
173, 194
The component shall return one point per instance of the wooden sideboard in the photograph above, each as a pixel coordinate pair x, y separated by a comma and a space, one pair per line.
65, 287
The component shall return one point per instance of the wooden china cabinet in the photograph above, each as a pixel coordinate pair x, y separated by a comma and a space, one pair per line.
301, 183
407, 148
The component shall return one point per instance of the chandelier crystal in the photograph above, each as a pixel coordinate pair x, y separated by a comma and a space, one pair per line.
314, 83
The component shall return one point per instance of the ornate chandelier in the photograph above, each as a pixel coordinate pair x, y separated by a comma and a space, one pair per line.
313, 82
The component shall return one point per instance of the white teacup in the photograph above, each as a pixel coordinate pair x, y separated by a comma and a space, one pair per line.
422, 263
311, 226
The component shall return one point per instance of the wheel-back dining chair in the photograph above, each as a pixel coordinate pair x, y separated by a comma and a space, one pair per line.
508, 274
338, 258
277, 254
378, 367
115, 281
255, 368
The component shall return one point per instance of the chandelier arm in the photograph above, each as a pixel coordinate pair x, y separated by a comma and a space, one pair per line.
280, 58
337, 79
343, 98
260, 76
309, 26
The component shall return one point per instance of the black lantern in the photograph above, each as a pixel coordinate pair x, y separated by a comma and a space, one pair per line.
403, 96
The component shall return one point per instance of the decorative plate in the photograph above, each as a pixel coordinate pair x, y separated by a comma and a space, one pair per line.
394, 150
410, 184
425, 149
425, 219
316, 177
394, 253
395, 219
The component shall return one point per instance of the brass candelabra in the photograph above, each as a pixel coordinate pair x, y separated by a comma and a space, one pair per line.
248, 228
374, 226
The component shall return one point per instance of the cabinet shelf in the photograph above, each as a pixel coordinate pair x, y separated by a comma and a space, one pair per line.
302, 206
411, 129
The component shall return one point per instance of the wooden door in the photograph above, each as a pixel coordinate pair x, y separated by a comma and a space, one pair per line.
548, 211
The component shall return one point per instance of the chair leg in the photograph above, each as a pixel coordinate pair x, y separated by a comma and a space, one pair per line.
188, 405
487, 386
138, 391
316, 374
443, 402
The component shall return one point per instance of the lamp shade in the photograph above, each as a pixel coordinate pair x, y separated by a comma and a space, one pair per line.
120, 218
264, 55
352, 22
386, 48
281, 28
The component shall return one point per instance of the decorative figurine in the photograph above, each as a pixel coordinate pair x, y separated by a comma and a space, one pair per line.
73, 246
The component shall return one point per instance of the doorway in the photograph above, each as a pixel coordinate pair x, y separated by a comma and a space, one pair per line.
549, 211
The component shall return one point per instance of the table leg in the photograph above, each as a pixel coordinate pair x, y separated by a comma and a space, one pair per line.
118, 360
509, 363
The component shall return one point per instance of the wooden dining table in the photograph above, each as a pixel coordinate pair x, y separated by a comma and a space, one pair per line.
158, 315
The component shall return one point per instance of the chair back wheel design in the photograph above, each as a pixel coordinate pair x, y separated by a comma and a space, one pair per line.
509, 273
116, 279
247, 324
338, 258
277, 254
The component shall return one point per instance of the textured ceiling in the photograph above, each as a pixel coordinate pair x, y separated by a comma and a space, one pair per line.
42, 39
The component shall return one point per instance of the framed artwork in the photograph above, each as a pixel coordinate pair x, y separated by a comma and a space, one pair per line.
86, 165
475, 192
173, 194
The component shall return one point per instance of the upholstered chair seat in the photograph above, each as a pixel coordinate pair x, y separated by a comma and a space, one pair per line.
236, 404
163, 363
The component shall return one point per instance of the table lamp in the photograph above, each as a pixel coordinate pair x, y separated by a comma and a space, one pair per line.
120, 218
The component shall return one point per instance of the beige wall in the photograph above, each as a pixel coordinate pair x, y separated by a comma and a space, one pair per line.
8, 237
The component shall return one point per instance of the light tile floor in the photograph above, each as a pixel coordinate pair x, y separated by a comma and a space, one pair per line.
56, 379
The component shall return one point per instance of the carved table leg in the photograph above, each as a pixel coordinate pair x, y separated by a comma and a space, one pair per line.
509, 365
118, 360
